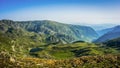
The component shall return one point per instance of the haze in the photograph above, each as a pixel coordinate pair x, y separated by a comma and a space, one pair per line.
66, 11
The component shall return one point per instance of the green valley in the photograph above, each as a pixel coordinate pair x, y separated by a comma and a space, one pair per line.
39, 44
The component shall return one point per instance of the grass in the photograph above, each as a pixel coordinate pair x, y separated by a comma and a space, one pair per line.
62, 54
65, 51
104, 61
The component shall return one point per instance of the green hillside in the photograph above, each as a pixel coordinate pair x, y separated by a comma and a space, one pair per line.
64, 33
65, 51
39, 44
114, 43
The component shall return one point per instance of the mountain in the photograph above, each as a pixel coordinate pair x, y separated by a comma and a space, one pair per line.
99, 27
50, 31
104, 31
112, 34
19, 37
39, 44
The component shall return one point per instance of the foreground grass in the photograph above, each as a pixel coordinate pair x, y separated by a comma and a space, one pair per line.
104, 61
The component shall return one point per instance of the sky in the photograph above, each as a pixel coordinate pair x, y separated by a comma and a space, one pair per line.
86, 12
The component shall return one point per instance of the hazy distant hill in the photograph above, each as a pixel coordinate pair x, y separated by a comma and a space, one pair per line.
112, 34
51, 31
104, 31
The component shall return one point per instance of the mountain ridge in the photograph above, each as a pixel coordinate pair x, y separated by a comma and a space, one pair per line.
53, 27
112, 34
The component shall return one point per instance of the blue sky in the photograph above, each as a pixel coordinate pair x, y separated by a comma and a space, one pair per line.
66, 11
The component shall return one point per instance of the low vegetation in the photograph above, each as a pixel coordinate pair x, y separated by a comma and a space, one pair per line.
105, 61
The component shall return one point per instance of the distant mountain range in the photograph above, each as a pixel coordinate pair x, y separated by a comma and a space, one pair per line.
104, 31
48, 31
108, 34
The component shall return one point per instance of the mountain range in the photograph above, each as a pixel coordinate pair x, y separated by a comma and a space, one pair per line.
109, 34
51, 31
47, 31
104, 31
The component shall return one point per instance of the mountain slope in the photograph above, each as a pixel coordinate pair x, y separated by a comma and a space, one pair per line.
51, 29
104, 31
115, 33
84, 32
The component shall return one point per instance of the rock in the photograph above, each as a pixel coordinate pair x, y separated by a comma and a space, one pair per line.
12, 60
